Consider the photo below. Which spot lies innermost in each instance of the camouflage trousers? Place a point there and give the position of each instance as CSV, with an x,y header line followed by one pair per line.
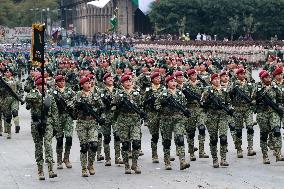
x,y
6,111
153,126
217,125
269,121
169,125
129,129
106,131
40,141
87,131
197,120
245,116
64,129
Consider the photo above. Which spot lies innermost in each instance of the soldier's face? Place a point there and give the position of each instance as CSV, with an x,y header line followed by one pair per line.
x,y
193,77
127,84
109,81
225,78
8,73
172,84
241,76
279,77
157,80
39,87
179,79
61,83
266,80
87,86
216,82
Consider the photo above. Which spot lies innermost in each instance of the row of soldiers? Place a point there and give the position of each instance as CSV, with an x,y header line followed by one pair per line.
x,y
118,93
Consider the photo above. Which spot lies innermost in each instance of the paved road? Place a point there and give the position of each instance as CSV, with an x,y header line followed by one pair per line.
x,y
18,168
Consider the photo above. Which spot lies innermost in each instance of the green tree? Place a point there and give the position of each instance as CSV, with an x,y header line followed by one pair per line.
x,y
234,24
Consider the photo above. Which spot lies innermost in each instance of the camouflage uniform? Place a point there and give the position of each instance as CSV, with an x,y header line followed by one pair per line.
x,y
153,120
8,104
33,102
172,124
268,120
87,129
196,120
17,87
217,125
129,127
245,115
107,95
65,126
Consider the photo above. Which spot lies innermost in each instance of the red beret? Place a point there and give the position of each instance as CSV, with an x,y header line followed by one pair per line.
x,y
264,74
91,76
261,72
278,70
125,78
39,80
223,72
154,74
190,72
59,78
178,73
107,75
169,78
84,80
214,76
240,71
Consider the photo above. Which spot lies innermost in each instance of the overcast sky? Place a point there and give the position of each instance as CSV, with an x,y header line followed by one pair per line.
x,y
144,5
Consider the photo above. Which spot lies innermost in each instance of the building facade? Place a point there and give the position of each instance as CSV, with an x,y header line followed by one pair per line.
x,y
87,19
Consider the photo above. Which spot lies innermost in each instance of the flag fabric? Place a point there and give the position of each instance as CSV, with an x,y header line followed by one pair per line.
x,y
136,2
99,3
113,23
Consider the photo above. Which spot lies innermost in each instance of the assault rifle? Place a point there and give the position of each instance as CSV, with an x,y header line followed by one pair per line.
x,y
62,105
268,101
10,90
239,92
133,107
171,102
88,110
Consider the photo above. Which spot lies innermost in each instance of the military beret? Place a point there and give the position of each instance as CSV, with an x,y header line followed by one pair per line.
x,y
91,76
108,74
178,73
190,72
223,72
214,76
261,72
278,70
169,78
240,71
264,74
154,74
39,80
83,80
59,78
125,78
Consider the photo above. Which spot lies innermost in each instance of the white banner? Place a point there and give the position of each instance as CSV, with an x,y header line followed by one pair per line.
x,y
99,3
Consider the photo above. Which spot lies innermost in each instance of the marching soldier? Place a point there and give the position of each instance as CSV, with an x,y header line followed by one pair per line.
x,y
268,97
172,124
153,120
89,110
128,102
42,125
108,92
63,95
216,119
197,119
241,93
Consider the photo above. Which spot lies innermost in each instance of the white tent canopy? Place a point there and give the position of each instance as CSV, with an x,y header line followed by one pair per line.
x,y
99,3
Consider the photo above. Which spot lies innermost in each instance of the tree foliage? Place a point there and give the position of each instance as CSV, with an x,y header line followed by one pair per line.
x,y
24,13
259,18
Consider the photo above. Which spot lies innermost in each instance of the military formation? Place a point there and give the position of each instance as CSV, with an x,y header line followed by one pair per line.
x,y
177,94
